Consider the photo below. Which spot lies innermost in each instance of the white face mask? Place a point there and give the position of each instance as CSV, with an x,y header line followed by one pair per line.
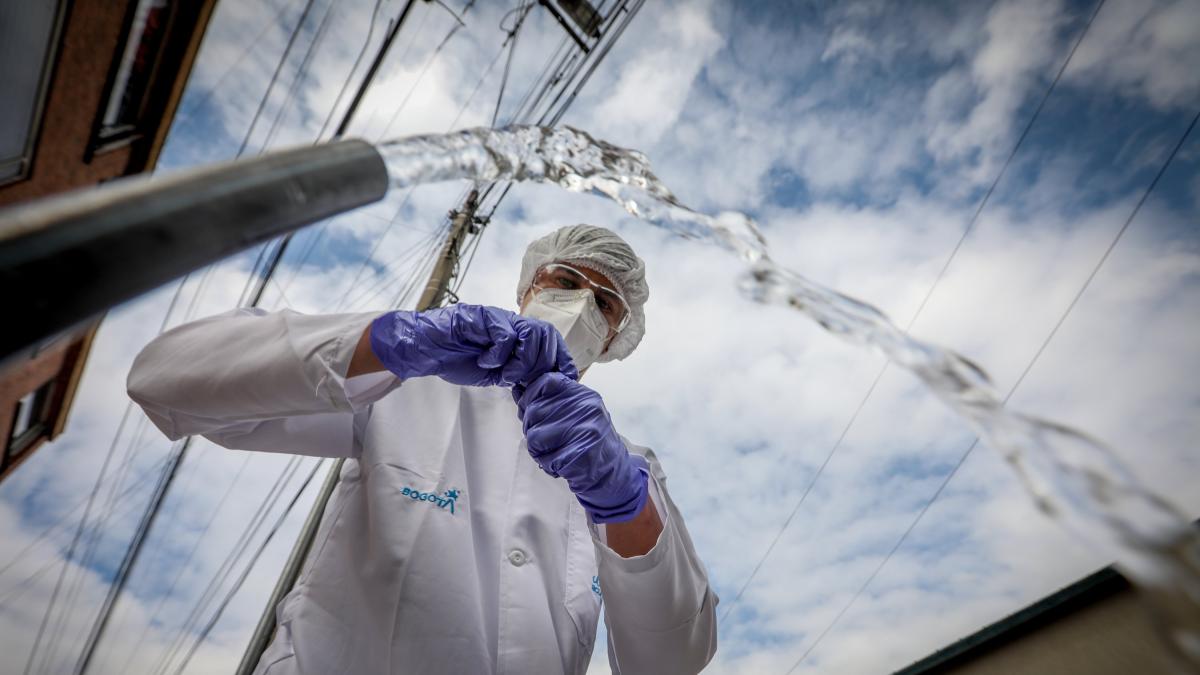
x,y
575,314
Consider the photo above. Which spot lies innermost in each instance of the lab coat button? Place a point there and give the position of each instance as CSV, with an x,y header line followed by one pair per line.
x,y
517,557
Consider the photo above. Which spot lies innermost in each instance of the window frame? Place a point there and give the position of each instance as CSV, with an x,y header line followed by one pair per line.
x,y
105,138
46,76
18,444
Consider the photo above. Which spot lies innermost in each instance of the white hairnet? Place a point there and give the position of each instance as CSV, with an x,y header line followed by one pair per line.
x,y
599,249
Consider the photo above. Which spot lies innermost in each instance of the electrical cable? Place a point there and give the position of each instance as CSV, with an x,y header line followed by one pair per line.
x,y
235,554
162,600
171,517
91,546
245,142
620,30
1029,367
424,69
971,223
262,250
84,519
377,243
237,585
563,65
460,276
253,291
399,62
16,589
308,5
421,271
116,586
353,68
379,240
568,62
324,227
512,38
600,55
208,93
296,267
337,101
75,542
524,8
286,239
478,84
450,11
386,281
72,593
540,83
300,75
249,566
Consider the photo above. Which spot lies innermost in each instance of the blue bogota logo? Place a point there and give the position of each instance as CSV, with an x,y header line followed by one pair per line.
x,y
445,501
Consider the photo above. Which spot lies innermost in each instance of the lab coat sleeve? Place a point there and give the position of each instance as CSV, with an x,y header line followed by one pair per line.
x,y
253,380
659,608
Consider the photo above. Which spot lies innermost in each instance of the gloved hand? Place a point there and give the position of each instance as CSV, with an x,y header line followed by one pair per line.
x,y
471,345
571,436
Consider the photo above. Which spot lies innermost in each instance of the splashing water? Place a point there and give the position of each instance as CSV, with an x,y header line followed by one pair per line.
x,y
1072,477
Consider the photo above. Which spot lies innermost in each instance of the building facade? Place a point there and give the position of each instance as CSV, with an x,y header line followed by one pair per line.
x,y
89,88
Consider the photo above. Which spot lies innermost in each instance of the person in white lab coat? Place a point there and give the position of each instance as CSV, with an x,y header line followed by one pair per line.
x,y
487,511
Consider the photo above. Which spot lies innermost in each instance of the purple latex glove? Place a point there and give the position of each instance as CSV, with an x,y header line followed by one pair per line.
x,y
571,436
471,345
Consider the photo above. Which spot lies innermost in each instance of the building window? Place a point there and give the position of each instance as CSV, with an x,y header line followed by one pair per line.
x,y
28,44
124,113
31,421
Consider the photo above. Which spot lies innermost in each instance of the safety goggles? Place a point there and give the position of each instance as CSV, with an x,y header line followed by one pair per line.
x,y
564,277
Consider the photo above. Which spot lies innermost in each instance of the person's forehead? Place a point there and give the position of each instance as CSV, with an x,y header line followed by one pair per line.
x,y
592,274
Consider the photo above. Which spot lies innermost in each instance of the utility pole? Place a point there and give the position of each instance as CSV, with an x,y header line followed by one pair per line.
x,y
462,223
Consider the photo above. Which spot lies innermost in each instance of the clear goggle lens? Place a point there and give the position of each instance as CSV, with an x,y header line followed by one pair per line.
x,y
564,277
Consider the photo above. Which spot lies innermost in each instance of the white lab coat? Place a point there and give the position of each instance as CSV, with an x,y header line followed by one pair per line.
x,y
445,549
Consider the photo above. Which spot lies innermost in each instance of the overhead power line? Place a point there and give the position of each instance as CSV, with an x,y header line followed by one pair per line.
x,y
123,500
837,444
253,44
262,103
139,537
1029,367
580,73
181,568
253,525
237,585
301,74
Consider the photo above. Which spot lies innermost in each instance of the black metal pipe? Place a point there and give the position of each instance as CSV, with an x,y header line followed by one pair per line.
x,y
66,258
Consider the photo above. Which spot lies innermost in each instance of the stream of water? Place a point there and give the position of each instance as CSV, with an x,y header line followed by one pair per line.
x,y
1073,478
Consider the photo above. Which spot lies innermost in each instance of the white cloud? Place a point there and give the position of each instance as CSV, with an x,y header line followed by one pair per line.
x,y
1020,46
855,136
651,90
1143,50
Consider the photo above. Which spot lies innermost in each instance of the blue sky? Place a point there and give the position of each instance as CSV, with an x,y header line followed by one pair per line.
x,y
862,136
